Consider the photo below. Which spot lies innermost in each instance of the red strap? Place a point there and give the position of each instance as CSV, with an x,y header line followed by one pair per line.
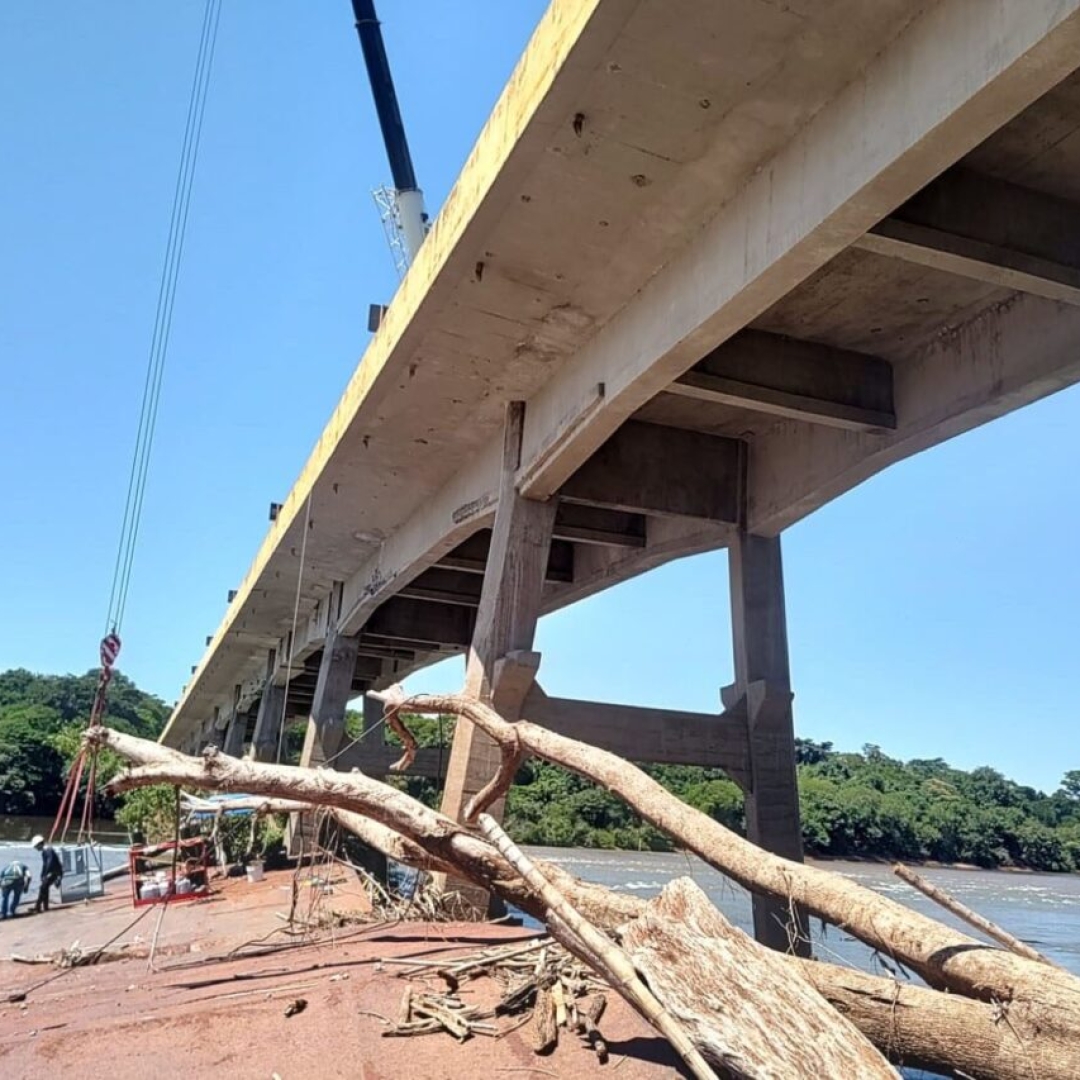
x,y
109,651
67,802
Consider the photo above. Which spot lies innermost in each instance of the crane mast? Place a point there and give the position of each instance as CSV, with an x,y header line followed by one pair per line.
x,y
405,202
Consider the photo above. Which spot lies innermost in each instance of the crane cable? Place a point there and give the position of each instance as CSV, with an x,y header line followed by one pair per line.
x,y
144,440
159,342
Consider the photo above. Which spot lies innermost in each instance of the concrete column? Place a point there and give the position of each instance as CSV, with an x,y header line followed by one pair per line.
x,y
268,721
372,735
209,735
763,676
234,734
505,624
326,728
326,724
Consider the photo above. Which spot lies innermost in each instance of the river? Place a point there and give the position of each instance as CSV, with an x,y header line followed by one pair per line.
x,y
1041,909
17,832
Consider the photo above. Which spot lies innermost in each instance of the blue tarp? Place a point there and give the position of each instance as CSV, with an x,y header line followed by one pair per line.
x,y
221,799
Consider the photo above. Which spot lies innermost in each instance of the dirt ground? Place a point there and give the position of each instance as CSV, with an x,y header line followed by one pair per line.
x,y
202,1013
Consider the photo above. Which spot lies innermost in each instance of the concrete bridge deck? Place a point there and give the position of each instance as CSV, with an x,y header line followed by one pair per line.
x,y
733,258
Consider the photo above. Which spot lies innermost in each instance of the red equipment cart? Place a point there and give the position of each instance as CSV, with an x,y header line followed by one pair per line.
x,y
169,872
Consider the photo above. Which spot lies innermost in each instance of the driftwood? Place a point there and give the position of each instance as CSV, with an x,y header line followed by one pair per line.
x,y
577,934
1025,1030
545,1032
972,918
590,1020
942,956
743,1005
945,1033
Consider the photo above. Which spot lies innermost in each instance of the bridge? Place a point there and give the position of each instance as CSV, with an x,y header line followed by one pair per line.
x,y
709,266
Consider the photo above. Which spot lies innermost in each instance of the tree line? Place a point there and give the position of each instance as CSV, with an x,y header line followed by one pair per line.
x,y
854,805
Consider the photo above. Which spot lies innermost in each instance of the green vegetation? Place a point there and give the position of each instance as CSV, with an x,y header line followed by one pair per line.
x,y
853,805
40,718
41,722
864,805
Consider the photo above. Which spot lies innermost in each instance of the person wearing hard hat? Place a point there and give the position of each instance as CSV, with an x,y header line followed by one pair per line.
x,y
52,870
14,881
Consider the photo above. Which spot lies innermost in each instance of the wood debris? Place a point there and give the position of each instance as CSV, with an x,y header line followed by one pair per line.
x,y
538,983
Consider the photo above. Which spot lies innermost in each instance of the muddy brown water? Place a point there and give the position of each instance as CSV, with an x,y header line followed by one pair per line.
x,y
1040,909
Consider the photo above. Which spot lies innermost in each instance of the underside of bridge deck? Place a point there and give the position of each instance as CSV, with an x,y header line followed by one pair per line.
x,y
709,266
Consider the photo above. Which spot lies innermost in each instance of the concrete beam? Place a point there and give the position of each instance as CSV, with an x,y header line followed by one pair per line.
x,y
655,736
374,650
445,586
596,567
801,380
1003,358
647,468
416,620
950,79
430,761
988,230
582,524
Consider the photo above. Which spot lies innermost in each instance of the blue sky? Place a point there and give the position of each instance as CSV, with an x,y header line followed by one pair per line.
x,y
933,610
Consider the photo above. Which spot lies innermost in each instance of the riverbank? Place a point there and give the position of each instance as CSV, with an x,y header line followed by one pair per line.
x,y
216,1002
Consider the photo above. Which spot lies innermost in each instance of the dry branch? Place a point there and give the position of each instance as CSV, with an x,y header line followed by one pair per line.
x,y
972,918
583,939
941,955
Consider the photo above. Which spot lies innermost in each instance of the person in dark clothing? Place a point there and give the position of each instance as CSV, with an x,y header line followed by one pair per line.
x,y
52,870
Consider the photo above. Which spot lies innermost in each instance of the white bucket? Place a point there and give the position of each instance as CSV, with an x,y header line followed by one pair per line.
x,y
255,870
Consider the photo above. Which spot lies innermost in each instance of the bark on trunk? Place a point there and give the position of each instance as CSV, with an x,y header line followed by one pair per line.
x,y
750,1013
946,1033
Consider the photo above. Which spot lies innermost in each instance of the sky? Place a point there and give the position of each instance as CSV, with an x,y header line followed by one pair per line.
x,y
932,610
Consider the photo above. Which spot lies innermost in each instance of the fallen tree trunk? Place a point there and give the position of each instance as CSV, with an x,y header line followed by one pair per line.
x,y
589,944
925,1031
944,957
946,1033
740,1002
598,950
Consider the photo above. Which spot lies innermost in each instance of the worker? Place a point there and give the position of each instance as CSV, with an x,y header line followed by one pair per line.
x,y
52,870
14,881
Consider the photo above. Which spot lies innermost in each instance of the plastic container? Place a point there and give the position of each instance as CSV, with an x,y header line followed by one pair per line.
x,y
255,870
150,890
183,886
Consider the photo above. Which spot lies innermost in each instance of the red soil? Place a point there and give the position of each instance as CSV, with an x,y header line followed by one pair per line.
x,y
201,1014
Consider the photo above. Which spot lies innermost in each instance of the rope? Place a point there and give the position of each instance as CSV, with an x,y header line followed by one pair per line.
x,y
292,632
108,653
159,342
